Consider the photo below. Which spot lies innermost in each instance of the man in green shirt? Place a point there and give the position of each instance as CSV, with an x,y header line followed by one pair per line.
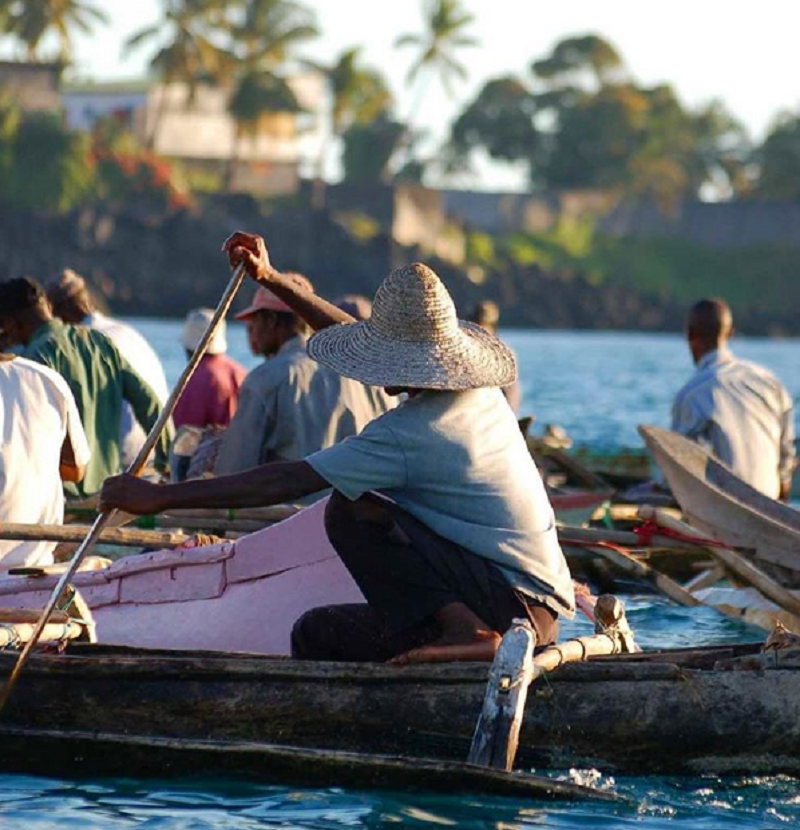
x,y
98,375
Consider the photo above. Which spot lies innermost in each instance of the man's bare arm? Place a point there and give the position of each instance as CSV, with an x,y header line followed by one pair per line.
x,y
68,468
250,249
284,481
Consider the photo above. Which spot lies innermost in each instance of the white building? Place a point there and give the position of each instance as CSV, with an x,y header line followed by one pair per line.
x,y
198,131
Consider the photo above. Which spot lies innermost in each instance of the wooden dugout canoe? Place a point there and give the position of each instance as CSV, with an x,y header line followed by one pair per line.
x,y
715,500
710,710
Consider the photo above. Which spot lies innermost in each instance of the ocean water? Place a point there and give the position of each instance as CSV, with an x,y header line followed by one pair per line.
x,y
599,386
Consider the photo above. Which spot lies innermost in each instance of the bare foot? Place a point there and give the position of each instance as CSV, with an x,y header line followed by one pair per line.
x,y
478,646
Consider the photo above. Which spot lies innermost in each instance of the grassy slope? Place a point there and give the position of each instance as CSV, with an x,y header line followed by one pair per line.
x,y
760,280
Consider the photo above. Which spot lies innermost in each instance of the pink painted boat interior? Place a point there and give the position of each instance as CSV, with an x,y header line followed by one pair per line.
x,y
242,595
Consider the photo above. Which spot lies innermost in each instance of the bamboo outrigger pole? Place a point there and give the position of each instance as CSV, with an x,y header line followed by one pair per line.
x,y
134,469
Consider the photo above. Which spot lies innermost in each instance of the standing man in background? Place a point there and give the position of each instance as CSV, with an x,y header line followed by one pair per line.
x,y
71,302
737,409
97,374
212,393
290,406
487,315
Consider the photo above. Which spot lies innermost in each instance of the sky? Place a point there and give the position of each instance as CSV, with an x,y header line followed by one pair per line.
x,y
745,54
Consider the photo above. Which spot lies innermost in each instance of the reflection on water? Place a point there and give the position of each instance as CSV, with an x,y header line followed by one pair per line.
x,y
220,804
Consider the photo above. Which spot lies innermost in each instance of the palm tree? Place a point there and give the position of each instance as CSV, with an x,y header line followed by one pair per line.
x,y
31,20
445,22
264,39
357,95
187,51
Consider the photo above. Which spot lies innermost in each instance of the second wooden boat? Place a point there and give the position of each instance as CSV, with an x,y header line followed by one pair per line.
x,y
715,500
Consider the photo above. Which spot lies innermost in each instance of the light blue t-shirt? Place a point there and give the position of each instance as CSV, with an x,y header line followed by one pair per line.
x,y
457,462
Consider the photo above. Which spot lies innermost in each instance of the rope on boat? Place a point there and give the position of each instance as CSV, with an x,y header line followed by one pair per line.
x,y
650,528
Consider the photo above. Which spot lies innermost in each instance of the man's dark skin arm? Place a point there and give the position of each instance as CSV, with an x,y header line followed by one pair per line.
x,y
250,249
262,486
68,469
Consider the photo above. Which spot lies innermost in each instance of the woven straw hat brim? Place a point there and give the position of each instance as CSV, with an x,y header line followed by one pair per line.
x,y
472,359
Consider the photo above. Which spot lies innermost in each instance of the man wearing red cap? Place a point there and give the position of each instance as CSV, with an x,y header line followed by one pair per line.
x,y
290,406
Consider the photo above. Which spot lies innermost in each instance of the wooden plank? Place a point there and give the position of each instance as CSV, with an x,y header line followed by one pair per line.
x,y
735,562
109,753
122,537
497,731
630,564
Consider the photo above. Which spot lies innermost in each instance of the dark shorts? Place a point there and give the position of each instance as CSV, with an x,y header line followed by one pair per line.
x,y
407,573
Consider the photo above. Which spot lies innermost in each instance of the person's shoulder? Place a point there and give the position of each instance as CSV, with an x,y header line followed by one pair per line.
x,y
34,372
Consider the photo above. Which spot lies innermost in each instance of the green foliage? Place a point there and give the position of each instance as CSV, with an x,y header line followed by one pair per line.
x,y
29,21
359,225
368,149
480,249
779,157
358,94
760,279
576,59
52,168
583,124
445,22
499,120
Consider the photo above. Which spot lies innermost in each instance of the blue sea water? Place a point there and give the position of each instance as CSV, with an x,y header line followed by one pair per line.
x,y
599,386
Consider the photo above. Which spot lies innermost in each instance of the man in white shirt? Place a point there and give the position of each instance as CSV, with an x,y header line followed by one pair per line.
x,y
737,409
71,301
439,513
42,443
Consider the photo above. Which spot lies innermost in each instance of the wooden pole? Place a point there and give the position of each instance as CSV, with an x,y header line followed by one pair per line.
x,y
122,537
497,731
732,560
496,737
135,468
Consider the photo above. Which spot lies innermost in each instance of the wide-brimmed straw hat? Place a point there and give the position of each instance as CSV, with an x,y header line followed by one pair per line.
x,y
415,340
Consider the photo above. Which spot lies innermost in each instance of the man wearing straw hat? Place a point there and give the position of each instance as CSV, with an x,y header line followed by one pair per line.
x,y
439,513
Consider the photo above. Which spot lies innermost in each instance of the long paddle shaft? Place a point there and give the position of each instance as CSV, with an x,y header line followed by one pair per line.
x,y
136,466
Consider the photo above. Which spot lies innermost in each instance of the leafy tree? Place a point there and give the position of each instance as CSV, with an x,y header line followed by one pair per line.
x,y
779,161
357,95
369,148
52,167
186,50
264,38
444,36
596,138
577,60
9,124
31,20
499,121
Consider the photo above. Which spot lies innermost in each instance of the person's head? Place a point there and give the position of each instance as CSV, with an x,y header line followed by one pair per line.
x,y
270,322
195,326
69,297
708,327
23,308
486,314
356,305
414,342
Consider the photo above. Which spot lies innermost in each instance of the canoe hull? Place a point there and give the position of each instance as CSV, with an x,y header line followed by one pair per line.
x,y
716,501
630,715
